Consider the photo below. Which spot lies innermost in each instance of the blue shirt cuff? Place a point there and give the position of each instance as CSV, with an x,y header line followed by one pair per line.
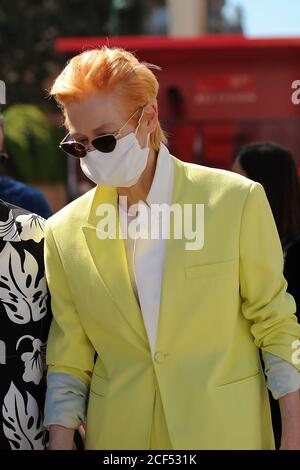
x,y
66,400
282,377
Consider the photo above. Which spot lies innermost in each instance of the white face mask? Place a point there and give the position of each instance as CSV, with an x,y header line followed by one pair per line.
x,y
120,168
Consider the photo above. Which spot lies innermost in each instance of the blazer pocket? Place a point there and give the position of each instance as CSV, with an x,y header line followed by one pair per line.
x,y
99,385
240,381
215,269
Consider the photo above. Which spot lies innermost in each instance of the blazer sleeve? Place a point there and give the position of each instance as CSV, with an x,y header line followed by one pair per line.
x,y
69,350
292,273
265,302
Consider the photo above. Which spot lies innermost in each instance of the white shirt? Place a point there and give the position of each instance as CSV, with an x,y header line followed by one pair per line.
x,y
145,257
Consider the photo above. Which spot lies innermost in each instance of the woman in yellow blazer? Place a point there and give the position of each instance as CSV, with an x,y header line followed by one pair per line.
x,y
199,383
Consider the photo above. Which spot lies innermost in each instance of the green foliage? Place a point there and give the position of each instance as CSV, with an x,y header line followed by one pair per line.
x,y
29,28
32,145
28,64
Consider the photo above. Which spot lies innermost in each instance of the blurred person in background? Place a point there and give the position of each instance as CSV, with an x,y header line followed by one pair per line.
x,y
24,324
25,317
154,343
273,166
15,192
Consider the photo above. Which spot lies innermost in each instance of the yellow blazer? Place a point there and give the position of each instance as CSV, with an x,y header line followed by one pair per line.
x,y
218,306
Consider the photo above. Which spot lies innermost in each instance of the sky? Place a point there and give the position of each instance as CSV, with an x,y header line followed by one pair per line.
x,y
270,18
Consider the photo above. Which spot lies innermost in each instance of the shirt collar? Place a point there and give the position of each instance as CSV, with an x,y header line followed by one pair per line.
x,y
161,188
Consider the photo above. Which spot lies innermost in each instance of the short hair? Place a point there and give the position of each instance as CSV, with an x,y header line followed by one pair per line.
x,y
112,70
273,166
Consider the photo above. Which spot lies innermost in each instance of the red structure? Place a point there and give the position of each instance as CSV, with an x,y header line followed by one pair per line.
x,y
217,93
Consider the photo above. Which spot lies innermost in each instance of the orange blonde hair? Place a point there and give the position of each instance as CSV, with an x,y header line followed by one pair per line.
x,y
111,70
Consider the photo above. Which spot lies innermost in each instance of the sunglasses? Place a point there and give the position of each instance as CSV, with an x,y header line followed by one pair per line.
x,y
105,143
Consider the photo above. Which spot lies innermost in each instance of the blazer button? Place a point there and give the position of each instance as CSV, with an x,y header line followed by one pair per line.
x,y
159,357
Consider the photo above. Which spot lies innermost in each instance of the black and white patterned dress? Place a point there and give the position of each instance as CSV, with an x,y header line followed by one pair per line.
x,y
24,323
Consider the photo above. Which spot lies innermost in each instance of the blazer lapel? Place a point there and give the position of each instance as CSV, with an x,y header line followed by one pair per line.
x,y
173,272
108,256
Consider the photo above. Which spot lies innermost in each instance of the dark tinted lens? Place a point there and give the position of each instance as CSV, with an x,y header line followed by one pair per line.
x,y
105,143
75,149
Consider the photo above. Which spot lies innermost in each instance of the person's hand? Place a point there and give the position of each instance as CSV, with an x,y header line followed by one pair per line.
x,y
290,420
290,442
60,438
81,431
